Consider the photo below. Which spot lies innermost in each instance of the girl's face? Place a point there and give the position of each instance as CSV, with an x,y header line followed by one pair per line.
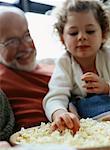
x,y
82,35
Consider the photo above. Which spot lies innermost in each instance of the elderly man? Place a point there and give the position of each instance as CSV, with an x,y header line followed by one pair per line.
x,y
24,82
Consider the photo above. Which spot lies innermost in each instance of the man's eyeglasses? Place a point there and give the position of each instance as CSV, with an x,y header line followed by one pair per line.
x,y
15,42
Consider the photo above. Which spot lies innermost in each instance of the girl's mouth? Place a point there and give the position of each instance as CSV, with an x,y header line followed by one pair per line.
x,y
83,46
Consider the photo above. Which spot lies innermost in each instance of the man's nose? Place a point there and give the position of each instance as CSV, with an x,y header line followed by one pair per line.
x,y
22,47
82,36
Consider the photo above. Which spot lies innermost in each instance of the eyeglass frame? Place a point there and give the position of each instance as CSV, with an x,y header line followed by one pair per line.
x,y
17,40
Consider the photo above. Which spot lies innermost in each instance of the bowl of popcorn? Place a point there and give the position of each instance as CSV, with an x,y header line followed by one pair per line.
x,y
92,135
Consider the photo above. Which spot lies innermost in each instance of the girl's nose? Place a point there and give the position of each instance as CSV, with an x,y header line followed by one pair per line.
x,y
82,36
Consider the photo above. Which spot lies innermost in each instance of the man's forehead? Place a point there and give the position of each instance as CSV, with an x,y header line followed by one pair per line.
x,y
12,9
14,20
10,16
5,14
12,24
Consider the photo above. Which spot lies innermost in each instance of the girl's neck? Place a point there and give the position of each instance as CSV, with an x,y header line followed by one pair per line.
x,y
88,65
89,69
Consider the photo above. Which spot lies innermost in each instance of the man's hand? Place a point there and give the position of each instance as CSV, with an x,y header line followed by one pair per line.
x,y
4,144
94,84
63,119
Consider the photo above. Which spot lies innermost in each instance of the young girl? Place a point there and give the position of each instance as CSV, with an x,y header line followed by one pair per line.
x,y
6,118
82,74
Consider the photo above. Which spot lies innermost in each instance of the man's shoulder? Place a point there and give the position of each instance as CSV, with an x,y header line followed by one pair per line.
x,y
2,66
3,69
44,69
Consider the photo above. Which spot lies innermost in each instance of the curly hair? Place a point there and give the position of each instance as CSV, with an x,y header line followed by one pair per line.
x,y
96,7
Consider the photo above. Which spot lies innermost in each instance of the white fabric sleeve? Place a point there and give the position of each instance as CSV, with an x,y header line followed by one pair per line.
x,y
60,87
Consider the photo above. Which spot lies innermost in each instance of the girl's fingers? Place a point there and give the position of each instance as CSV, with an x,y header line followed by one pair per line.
x,y
68,121
58,124
53,126
90,85
72,122
76,123
87,77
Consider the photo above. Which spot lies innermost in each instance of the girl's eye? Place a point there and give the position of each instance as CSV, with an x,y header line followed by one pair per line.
x,y
90,31
73,33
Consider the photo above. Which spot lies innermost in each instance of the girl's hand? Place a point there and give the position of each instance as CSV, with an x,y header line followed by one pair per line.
x,y
94,84
63,119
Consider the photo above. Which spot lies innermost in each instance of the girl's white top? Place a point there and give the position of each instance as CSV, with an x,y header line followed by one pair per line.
x,y
66,79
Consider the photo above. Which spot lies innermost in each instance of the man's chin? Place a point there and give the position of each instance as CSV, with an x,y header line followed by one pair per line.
x,y
27,67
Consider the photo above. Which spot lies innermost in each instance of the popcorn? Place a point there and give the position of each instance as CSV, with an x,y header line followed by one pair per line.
x,y
92,133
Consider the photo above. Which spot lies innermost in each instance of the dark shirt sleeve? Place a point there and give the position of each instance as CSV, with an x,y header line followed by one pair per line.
x,y
6,118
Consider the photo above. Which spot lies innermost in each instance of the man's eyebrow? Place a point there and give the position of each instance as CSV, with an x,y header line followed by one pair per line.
x,y
13,37
10,38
